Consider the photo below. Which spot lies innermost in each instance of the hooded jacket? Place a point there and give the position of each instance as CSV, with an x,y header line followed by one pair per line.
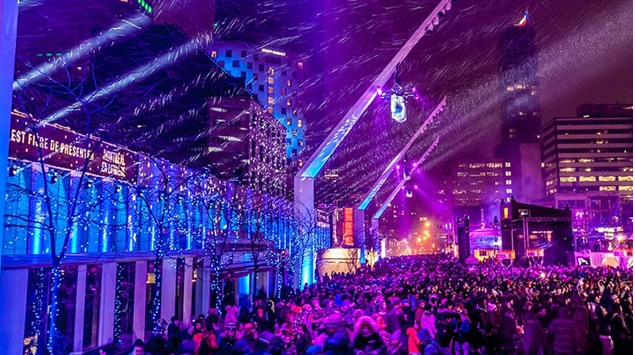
x,y
428,321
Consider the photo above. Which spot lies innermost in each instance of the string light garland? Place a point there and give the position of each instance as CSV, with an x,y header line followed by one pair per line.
x,y
118,305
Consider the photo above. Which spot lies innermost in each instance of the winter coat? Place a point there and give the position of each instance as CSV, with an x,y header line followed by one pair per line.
x,y
534,337
372,345
428,322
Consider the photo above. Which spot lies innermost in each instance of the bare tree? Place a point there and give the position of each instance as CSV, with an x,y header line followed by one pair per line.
x,y
302,240
161,190
58,219
220,209
352,260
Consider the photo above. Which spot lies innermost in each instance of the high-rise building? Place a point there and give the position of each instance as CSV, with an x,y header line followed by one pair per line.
x,y
476,187
249,139
274,77
518,76
520,108
590,154
478,182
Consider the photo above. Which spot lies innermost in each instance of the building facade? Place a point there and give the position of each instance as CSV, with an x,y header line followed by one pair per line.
x,y
591,155
275,77
122,217
478,182
520,108
518,76
248,138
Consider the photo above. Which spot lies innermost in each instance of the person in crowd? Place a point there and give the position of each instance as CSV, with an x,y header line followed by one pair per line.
x,y
420,305
562,330
228,338
366,339
211,322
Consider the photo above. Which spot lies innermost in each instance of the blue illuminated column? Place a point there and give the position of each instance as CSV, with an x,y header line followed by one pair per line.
x,y
107,213
36,240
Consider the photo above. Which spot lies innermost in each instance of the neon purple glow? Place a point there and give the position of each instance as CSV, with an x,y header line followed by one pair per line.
x,y
379,91
398,166
416,187
414,165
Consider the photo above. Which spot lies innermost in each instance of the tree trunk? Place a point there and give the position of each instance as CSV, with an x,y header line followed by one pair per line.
x,y
55,287
156,302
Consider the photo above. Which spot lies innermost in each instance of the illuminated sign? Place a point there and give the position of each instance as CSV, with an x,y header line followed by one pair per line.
x,y
348,227
271,51
63,148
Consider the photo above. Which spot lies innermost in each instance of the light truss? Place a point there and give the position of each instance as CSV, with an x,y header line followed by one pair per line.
x,y
303,186
394,192
315,164
384,176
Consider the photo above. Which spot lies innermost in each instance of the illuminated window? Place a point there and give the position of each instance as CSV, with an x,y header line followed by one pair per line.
x,y
270,100
568,179
299,123
519,86
270,110
509,191
587,178
508,182
567,170
214,54
270,90
270,80
627,169
300,143
508,165
607,188
625,178
585,160
294,132
626,188
288,82
510,88
288,102
606,178
300,65
508,173
270,71
288,122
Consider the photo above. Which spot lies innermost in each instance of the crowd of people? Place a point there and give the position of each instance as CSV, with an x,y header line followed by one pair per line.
x,y
427,305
